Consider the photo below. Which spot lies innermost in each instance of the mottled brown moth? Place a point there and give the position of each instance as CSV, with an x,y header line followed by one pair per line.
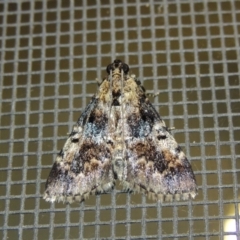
x,y
120,136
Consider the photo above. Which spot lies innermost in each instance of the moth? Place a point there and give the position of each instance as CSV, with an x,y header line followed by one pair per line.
x,y
120,136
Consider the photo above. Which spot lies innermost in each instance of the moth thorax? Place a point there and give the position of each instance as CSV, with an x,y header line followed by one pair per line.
x,y
116,73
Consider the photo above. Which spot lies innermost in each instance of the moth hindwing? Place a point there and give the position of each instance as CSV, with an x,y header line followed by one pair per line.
x,y
120,136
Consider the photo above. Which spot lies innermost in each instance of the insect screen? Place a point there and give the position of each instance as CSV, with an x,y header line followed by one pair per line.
x,y
51,54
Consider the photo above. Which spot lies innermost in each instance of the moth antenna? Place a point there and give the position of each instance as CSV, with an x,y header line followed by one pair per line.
x,y
110,96
122,113
98,81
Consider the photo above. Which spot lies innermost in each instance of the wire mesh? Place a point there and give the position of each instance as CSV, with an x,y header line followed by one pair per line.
x,y
51,54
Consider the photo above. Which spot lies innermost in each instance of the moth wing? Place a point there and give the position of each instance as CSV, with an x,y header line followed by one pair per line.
x,y
83,166
156,165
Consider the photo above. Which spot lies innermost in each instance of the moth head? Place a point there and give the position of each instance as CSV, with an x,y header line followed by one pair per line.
x,y
117,64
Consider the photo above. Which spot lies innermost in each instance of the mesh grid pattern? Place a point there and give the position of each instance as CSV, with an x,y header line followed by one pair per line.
x,y
51,54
